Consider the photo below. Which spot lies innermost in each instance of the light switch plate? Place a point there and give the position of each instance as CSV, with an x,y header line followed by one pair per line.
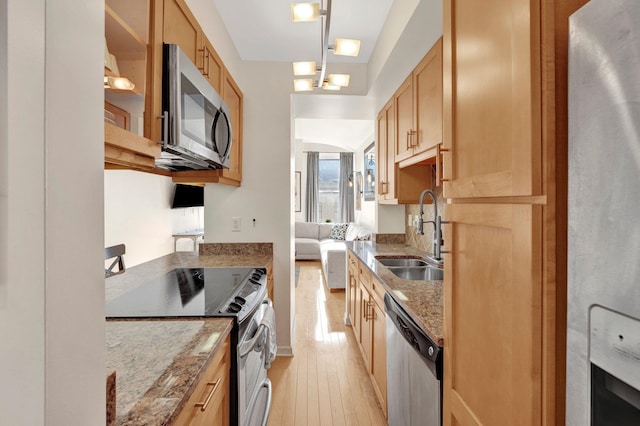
x,y
235,224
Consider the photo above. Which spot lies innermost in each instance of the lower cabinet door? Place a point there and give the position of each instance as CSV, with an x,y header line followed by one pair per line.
x,y
379,355
493,315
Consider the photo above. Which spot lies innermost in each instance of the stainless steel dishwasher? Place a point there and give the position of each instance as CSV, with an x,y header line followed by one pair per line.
x,y
414,371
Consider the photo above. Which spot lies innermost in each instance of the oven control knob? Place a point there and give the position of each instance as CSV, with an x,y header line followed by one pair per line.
x,y
430,351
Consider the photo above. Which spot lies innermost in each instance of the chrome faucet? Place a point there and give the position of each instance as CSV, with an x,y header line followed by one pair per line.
x,y
437,224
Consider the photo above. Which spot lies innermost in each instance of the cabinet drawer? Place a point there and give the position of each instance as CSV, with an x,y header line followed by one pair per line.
x,y
377,291
364,276
209,402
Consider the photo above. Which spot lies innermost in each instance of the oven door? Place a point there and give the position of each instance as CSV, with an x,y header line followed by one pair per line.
x,y
254,388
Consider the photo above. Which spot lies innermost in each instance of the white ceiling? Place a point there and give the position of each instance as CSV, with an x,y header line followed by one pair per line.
x,y
262,30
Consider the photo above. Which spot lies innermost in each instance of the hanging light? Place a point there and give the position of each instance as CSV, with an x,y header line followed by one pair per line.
x,y
304,68
346,47
303,84
306,12
328,86
341,80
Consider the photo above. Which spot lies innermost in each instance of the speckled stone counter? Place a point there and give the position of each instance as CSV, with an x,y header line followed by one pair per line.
x,y
423,300
158,363
213,257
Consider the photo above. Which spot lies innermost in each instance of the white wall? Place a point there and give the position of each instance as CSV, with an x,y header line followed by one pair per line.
x,y
52,321
137,212
266,194
366,216
4,152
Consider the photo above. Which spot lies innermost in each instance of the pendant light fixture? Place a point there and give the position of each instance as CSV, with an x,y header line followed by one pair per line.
x,y
309,12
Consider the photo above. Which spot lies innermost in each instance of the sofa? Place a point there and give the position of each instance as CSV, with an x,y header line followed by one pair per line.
x,y
325,241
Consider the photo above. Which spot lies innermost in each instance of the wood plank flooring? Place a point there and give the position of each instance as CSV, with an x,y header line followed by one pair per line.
x,y
325,382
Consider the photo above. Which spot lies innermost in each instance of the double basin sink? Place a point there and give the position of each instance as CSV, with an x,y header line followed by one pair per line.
x,y
412,269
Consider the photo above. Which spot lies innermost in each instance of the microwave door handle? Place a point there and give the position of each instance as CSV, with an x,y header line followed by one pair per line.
x,y
165,128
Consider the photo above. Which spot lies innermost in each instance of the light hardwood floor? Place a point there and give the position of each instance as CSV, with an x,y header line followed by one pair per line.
x,y
325,382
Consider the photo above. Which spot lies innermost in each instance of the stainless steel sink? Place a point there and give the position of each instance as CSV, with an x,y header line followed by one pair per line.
x,y
402,262
428,273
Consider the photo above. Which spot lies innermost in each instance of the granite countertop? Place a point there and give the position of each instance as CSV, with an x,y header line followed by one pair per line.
x,y
223,255
423,300
158,363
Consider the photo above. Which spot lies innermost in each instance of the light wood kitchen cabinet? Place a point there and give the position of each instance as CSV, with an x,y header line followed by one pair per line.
x,y
232,96
396,185
369,327
385,153
418,103
378,344
126,39
209,402
404,131
270,282
181,27
493,314
505,161
365,325
492,109
427,110
213,68
125,149
352,268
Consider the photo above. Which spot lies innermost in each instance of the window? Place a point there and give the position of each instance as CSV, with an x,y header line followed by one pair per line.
x,y
329,187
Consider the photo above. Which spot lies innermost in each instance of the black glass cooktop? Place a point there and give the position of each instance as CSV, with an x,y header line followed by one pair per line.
x,y
188,292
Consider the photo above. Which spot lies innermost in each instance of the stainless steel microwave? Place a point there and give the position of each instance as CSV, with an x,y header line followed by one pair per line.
x,y
196,122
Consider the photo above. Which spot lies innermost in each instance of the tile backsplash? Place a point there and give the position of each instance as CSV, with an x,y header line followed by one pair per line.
x,y
422,242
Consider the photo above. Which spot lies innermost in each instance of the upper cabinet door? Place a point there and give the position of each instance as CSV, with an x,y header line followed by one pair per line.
x,y
182,28
405,132
492,98
232,96
427,82
213,67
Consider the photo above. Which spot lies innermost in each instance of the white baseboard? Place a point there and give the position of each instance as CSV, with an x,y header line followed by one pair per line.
x,y
285,351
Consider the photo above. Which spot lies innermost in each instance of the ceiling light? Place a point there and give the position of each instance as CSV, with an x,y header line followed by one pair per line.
x,y
303,84
304,68
119,83
302,12
328,86
341,80
346,47
305,12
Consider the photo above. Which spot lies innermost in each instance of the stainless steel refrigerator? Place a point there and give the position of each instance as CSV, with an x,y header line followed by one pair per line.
x,y
603,323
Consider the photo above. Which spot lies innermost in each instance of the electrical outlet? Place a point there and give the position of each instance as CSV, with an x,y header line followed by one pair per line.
x,y
409,220
235,224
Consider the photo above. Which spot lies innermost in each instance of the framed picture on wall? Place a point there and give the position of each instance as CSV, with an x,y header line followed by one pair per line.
x,y
370,173
298,193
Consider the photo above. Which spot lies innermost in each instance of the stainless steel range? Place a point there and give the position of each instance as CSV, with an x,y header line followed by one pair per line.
x,y
239,293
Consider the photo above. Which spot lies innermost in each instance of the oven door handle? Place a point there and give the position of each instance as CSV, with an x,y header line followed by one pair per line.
x,y
246,348
267,406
